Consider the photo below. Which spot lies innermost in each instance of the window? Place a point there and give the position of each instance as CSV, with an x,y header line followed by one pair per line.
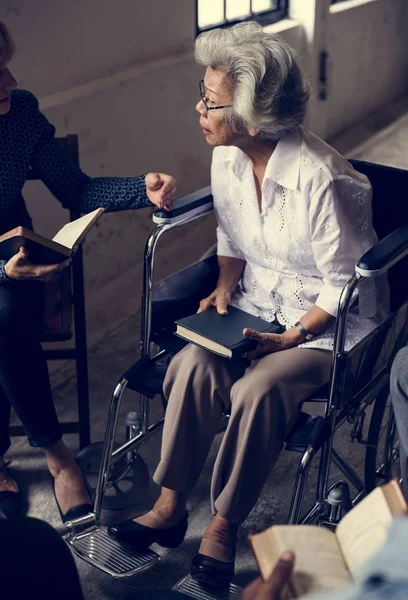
x,y
223,13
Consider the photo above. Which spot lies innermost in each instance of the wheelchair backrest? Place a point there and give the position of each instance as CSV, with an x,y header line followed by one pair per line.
x,y
372,358
390,211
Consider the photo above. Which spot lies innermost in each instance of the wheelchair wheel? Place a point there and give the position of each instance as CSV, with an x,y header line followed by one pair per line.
x,y
382,450
127,483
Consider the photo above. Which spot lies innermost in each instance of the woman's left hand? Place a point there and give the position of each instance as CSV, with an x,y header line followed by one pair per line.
x,y
160,189
268,342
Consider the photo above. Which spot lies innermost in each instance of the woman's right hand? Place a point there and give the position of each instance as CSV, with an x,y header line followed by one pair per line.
x,y
220,299
21,269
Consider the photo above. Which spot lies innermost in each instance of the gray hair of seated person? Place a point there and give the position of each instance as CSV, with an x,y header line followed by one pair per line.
x,y
270,92
7,47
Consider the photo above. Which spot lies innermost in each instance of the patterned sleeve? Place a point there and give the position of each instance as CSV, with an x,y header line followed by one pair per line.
x,y
3,275
73,188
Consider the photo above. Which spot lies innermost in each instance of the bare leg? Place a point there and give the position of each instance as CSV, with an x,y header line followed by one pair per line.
x,y
70,489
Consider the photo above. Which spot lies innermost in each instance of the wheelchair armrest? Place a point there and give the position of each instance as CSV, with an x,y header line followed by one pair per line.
x,y
384,254
185,209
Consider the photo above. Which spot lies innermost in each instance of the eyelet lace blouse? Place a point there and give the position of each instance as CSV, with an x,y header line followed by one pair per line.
x,y
302,247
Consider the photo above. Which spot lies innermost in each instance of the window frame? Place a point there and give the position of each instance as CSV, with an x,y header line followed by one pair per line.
x,y
264,17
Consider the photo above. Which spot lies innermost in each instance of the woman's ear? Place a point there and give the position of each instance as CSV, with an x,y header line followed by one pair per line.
x,y
254,132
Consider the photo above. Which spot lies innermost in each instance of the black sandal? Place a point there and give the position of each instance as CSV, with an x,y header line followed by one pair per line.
x,y
11,503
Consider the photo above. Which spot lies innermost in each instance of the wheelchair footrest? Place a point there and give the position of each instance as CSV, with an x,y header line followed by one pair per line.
x,y
308,431
190,586
105,553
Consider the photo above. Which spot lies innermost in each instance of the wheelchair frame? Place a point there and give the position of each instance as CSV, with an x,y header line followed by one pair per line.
x,y
328,512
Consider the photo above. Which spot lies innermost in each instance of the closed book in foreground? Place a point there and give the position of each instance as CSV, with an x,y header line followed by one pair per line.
x,y
326,560
223,334
43,251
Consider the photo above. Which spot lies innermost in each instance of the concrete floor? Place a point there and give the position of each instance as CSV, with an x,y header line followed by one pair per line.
x,y
382,138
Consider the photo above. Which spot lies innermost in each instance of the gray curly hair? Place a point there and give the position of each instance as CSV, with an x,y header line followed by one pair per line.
x,y
6,44
270,93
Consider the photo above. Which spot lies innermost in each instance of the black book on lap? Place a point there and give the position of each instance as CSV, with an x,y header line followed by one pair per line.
x,y
222,334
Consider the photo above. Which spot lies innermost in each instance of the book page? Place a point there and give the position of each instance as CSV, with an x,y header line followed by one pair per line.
x,y
72,233
363,531
203,342
319,563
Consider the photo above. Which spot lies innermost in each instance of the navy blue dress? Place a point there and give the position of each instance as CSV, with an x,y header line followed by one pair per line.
x,y
27,139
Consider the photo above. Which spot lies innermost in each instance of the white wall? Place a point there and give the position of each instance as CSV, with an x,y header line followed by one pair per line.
x,y
368,50
122,75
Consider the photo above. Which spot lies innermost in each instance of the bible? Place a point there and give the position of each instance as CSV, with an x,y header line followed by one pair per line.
x,y
43,251
326,560
222,334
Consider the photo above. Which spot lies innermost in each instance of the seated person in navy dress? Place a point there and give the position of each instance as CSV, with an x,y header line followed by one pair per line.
x,y
27,140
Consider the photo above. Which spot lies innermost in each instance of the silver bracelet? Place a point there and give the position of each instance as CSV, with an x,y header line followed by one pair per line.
x,y
306,334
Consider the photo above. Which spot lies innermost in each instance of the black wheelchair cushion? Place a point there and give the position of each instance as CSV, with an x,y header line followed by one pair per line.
x,y
146,377
308,431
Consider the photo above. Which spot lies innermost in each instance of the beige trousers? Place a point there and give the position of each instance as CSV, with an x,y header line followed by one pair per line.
x,y
263,398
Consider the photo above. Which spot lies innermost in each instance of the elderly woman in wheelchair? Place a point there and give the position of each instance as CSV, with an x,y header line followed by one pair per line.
x,y
293,219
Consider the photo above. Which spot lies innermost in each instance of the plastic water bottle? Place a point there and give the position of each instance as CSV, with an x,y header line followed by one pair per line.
x,y
133,428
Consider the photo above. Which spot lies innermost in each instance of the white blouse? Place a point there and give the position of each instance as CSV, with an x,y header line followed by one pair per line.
x,y
302,247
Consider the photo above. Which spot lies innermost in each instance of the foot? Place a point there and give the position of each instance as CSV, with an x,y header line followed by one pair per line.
x,y
215,560
7,482
140,536
69,485
169,510
70,489
219,540
166,524
11,500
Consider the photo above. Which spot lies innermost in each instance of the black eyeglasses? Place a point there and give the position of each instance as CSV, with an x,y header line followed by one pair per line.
x,y
204,99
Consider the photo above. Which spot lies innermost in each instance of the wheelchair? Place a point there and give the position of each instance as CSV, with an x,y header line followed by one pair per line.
x,y
358,387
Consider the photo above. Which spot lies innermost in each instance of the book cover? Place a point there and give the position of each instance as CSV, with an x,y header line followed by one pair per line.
x,y
222,334
42,250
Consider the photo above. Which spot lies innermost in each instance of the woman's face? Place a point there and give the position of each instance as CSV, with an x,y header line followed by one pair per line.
x,y
7,85
218,92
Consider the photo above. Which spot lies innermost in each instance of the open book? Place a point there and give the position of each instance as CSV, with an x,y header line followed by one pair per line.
x,y
44,251
327,560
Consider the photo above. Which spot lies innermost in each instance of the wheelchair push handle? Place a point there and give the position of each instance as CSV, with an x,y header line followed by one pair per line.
x,y
186,208
382,256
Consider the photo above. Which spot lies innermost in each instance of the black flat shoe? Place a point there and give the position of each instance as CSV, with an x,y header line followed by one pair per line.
x,y
212,572
11,503
73,513
141,537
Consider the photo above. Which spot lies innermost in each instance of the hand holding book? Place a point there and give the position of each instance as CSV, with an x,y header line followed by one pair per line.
x,y
266,343
327,560
272,588
220,299
20,268
41,251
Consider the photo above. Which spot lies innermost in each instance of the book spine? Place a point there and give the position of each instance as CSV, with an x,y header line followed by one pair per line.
x,y
242,347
